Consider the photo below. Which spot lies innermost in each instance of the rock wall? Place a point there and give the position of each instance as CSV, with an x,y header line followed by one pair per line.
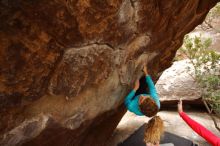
x,y
66,65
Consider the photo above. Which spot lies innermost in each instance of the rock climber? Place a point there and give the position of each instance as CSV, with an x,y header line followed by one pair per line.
x,y
143,104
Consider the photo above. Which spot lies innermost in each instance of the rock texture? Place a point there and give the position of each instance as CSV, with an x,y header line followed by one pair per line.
x,y
178,82
67,65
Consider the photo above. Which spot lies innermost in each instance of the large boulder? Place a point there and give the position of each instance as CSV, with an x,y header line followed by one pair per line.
x,y
178,82
66,65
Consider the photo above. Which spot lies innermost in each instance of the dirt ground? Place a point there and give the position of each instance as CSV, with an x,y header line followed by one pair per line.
x,y
173,124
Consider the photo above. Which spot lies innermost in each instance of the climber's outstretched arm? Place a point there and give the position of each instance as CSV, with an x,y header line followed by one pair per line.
x,y
198,128
129,97
152,89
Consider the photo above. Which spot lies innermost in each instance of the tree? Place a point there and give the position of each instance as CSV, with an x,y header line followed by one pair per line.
x,y
206,65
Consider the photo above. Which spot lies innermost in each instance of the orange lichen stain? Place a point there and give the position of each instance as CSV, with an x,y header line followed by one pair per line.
x,y
94,19
44,37
83,5
60,14
114,3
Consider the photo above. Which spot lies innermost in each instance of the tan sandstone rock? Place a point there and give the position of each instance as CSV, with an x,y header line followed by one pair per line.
x,y
66,65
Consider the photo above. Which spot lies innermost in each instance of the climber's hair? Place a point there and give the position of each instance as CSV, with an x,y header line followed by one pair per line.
x,y
154,130
149,107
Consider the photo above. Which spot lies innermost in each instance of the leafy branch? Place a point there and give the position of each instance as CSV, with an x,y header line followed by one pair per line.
x,y
206,68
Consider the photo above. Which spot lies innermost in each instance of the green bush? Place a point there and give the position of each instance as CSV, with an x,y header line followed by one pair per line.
x,y
206,68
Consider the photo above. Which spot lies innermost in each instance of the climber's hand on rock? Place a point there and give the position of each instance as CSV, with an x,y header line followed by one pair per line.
x,y
136,85
145,69
180,106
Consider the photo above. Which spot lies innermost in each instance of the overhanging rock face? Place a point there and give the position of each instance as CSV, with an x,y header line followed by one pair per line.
x,y
66,65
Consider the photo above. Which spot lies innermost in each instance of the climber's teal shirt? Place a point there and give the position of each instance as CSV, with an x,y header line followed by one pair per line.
x,y
132,103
